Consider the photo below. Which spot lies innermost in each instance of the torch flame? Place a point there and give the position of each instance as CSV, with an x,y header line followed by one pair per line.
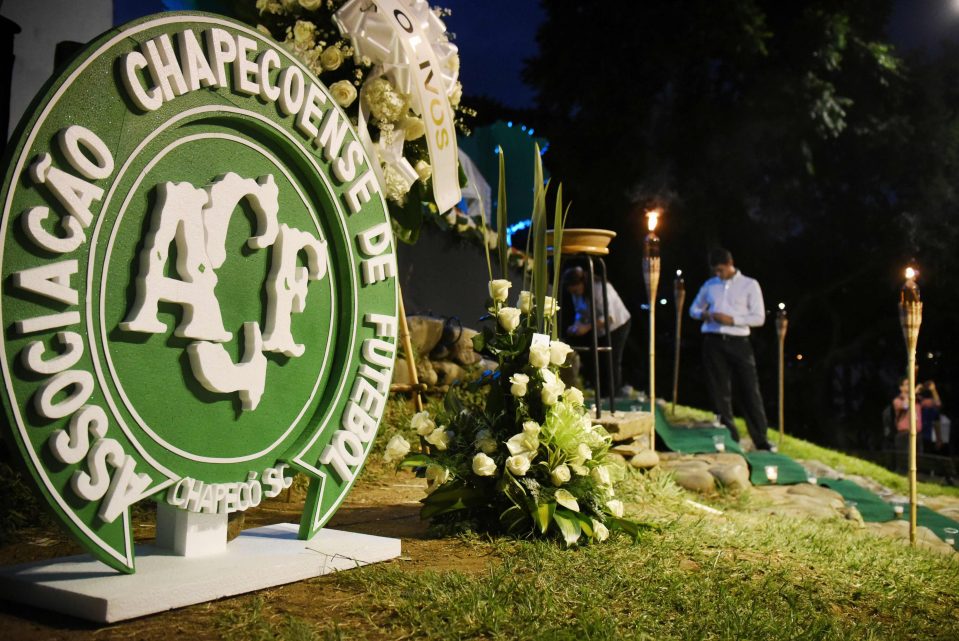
x,y
911,273
652,219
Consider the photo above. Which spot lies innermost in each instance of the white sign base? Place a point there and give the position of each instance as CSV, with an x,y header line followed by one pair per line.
x,y
259,558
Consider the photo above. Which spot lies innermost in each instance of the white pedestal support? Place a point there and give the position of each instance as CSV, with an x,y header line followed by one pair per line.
x,y
259,558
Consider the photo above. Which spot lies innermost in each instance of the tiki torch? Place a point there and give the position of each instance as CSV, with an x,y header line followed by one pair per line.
x,y
910,317
679,298
651,276
782,323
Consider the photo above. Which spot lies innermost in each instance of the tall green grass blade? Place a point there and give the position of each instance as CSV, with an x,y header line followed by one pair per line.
x,y
501,217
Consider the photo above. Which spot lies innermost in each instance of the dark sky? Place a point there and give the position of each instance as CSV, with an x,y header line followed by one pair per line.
x,y
923,24
494,37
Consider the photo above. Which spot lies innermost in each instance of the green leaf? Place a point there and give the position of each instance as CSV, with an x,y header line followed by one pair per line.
x,y
630,528
557,244
568,525
513,518
479,342
416,460
501,216
586,524
542,516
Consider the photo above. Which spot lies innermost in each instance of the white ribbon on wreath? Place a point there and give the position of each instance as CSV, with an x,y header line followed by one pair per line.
x,y
407,44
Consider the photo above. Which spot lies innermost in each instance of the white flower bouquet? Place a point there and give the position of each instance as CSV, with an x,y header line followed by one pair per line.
x,y
528,460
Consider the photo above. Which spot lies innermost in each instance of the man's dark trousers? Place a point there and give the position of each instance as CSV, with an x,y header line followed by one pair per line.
x,y
730,364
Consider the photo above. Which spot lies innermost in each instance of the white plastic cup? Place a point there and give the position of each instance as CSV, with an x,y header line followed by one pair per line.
x,y
772,473
719,442
898,508
812,480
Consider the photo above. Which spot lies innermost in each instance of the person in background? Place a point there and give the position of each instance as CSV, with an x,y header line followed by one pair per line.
x,y
584,297
929,406
729,304
901,406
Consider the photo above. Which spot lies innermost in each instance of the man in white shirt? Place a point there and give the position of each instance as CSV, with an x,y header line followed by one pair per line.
x,y
729,305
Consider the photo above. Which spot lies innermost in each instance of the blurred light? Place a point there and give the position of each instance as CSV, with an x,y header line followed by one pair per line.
x,y
679,272
523,127
644,306
662,301
930,355
652,219
911,273
509,124
531,131
782,305
798,357
512,229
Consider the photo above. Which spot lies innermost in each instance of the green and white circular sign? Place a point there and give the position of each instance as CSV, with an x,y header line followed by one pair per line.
x,y
199,281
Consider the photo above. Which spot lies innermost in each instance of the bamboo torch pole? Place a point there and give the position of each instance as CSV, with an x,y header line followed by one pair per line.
x,y
782,324
651,276
679,298
910,317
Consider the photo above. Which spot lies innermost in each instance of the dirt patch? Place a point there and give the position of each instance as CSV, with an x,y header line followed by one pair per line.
x,y
380,503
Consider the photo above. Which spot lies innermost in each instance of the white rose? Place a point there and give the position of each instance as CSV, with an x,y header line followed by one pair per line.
x,y
423,170
517,465
456,95
525,302
531,429
539,355
439,438
558,351
508,318
567,500
584,451
483,465
600,531
397,448
413,127
615,508
560,475
331,58
499,289
311,5
523,444
436,475
422,423
574,396
343,92
492,239
485,442
550,307
519,383
303,33
601,475
552,388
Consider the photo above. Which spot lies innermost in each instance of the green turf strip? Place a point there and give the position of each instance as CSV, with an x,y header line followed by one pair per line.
x,y
872,508
790,472
938,524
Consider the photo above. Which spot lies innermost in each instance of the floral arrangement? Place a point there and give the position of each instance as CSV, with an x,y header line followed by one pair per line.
x,y
529,461
328,36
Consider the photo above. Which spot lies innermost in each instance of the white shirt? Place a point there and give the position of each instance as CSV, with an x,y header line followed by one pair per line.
x,y
739,297
618,314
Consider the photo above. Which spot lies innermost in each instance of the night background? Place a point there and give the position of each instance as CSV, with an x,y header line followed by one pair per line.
x,y
818,141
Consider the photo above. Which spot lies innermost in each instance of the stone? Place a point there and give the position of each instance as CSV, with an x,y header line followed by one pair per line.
x,y
817,492
424,370
645,460
462,350
623,426
425,333
688,462
899,529
401,372
447,372
628,448
731,476
820,470
694,479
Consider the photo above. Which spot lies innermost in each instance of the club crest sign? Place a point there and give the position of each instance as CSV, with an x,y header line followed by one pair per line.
x,y
199,290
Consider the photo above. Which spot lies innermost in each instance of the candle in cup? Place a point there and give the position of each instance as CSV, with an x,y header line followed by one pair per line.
x,y
719,442
772,473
